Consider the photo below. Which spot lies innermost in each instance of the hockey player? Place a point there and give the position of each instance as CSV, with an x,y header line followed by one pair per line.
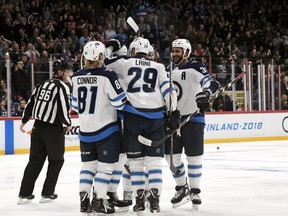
x,y
97,94
148,96
194,86
123,205
127,187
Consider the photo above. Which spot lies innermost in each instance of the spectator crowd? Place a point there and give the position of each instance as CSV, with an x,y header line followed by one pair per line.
x,y
32,31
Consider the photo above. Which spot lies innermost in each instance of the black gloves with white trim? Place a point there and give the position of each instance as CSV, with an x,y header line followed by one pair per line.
x,y
202,100
173,121
116,44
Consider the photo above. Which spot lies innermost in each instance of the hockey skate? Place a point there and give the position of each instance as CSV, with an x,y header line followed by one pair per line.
x,y
121,204
139,206
181,196
127,196
25,199
85,206
154,201
101,206
195,198
48,198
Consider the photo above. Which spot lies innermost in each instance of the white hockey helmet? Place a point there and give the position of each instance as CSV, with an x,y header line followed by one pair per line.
x,y
151,49
122,51
185,45
151,53
92,50
141,45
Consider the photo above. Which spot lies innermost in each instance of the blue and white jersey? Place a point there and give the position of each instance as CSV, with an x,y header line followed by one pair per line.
x,y
189,80
97,94
146,85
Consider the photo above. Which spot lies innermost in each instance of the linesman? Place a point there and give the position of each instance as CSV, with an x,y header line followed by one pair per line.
x,y
49,106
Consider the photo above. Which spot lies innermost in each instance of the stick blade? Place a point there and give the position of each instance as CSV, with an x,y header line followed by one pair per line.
x,y
144,140
175,171
132,24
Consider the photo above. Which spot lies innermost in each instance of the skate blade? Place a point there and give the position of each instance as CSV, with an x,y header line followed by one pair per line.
x,y
155,212
122,209
87,213
46,200
103,214
184,201
195,207
24,201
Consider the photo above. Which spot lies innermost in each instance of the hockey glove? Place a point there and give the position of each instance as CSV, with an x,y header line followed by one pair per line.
x,y
173,122
202,100
114,43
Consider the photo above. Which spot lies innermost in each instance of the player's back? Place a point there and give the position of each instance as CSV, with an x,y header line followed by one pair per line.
x,y
97,94
145,82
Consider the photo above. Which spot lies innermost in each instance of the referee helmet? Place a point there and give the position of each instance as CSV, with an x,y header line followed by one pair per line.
x,y
60,65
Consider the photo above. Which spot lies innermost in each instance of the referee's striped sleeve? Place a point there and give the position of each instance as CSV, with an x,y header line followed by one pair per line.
x,y
27,113
64,93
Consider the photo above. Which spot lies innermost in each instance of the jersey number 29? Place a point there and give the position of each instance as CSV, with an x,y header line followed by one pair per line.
x,y
148,80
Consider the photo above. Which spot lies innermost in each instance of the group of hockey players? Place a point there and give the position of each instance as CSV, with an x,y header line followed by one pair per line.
x,y
121,93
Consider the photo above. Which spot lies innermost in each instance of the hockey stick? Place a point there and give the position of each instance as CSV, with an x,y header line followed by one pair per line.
x,y
173,169
133,25
127,169
155,143
216,94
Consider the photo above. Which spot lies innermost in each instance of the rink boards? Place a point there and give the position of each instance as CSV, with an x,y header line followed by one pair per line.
x,y
220,127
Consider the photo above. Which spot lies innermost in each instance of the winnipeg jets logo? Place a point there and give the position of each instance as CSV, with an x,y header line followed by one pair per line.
x,y
179,90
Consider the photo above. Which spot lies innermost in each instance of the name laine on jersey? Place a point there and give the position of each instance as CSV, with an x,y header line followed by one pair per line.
x,y
142,62
87,80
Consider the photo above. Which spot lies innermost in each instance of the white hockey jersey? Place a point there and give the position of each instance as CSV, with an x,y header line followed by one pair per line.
x,y
97,94
189,80
146,85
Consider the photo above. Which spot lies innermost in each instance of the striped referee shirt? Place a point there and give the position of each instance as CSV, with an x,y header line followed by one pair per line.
x,y
49,103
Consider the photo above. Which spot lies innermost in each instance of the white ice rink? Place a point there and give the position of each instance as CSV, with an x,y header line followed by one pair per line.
x,y
248,179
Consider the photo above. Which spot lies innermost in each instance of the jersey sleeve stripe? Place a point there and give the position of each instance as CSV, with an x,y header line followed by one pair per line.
x,y
74,107
73,98
119,97
120,106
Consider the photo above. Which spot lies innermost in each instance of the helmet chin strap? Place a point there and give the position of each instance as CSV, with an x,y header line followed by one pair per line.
x,y
181,60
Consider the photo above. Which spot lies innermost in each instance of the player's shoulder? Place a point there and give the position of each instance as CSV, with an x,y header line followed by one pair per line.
x,y
110,73
100,72
116,59
195,65
158,65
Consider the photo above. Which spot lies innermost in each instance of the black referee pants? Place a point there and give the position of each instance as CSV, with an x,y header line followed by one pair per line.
x,y
46,140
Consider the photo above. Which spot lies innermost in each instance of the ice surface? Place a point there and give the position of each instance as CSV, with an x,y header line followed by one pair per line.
x,y
238,179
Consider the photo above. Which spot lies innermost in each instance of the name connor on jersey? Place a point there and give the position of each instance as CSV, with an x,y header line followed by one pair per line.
x,y
142,62
86,80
